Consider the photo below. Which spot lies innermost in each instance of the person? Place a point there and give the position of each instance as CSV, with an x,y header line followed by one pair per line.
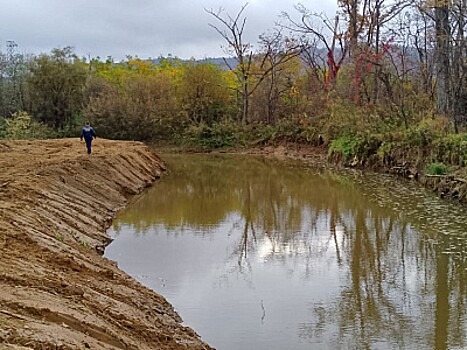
x,y
88,134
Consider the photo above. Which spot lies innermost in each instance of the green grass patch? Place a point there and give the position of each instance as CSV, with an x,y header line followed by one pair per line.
x,y
436,168
347,146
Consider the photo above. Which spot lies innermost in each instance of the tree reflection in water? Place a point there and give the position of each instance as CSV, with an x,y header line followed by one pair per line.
x,y
401,252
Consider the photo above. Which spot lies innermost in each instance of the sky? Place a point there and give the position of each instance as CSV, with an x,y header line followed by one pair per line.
x,y
140,28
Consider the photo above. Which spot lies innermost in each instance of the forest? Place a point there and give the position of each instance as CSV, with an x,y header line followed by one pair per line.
x,y
380,74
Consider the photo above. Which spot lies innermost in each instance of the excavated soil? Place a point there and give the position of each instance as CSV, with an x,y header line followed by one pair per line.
x,y
56,290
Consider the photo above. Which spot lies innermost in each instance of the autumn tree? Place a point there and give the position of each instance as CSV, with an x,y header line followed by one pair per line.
x,y
421,27
380,14
354,12
134,100
205,92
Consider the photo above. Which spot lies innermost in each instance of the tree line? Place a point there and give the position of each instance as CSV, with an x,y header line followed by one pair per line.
x,y
378,67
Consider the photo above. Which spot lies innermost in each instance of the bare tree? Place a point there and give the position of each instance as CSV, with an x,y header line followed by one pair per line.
x,y
325,32
443,48
449,19
421,37
458,81
355,11
380,13
232,32
248,76
273,73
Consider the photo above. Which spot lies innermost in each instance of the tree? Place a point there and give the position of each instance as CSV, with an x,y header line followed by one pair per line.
x,y
449,18
241,50
279,56
458,81
443,51
248,75
135,100
204,92
420,33
57,87
332,36
13,73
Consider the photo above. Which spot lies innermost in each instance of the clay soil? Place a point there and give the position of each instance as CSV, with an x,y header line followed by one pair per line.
x,y
57,291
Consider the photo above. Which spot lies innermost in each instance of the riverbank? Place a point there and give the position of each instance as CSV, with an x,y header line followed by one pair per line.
x,y
406,162
56,290
402,162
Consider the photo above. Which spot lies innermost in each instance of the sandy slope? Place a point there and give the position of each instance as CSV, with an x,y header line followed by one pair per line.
x,y
56,290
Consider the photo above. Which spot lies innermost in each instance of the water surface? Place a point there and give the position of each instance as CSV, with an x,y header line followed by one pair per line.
x,y
262,254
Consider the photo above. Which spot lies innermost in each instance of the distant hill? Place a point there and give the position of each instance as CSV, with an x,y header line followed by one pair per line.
x,y
319,54
219,61
223,62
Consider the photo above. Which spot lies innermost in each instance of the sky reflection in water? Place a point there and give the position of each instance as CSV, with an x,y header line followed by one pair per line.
x,y
260,254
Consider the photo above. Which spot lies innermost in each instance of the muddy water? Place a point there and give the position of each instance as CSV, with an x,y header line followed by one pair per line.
x,y
260,254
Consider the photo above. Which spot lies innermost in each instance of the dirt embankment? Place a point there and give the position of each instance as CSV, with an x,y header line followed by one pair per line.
x,y
56,290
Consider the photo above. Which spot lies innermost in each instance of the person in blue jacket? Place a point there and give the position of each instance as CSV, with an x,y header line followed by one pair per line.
x,y
88,134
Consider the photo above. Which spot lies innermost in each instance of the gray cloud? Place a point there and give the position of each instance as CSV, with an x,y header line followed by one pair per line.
x,y
143,28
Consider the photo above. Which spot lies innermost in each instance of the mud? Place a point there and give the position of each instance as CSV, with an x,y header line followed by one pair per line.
x,y
56,290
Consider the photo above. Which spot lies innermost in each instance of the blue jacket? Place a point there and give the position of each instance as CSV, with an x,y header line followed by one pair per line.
x,y
88,133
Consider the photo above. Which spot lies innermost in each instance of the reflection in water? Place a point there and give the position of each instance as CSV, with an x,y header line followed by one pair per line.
x,y
257,254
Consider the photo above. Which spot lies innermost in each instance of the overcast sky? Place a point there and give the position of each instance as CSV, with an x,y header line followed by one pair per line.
x,y
143,28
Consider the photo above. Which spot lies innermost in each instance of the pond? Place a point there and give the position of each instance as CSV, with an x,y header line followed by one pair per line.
x,y
264,254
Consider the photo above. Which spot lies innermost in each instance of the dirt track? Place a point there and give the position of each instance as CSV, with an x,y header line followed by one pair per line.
x,y
56,290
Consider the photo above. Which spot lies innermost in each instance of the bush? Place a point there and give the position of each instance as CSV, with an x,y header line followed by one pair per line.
x,y
360,146
451,149
21,126
426,131
347,146
436,169
217,135
384,149
142,108
3,128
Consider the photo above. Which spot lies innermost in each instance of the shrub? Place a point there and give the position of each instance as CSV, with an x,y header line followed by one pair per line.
x,y
21,126
384,149
426,131
259,134
3,128
451,149
347,146
217,135
436,169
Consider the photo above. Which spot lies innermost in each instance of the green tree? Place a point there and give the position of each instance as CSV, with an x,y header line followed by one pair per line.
x,y
57,87
204,92
140,107
13,73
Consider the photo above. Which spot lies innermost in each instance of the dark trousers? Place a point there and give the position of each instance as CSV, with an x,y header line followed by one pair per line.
x,y
88,145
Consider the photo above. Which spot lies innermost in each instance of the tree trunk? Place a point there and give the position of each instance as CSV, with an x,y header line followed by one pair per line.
x,y
245,102
442,56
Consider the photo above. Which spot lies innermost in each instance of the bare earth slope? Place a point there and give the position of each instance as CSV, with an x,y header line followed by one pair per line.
x,y
56,290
